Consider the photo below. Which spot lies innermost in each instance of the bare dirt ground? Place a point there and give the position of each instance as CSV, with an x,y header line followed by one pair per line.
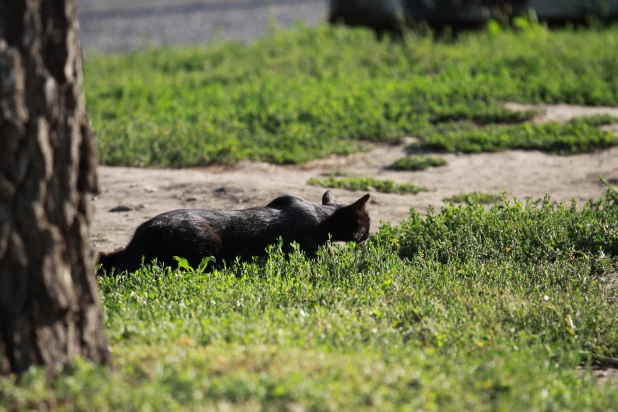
x,y
129,196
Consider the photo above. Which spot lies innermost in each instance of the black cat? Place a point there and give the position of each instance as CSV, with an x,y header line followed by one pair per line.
x,y
229,234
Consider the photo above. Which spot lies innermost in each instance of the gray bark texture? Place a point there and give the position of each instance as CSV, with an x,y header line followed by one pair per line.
x,y
49,303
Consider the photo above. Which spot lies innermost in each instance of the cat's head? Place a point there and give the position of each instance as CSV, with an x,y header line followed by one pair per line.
x,y
349,222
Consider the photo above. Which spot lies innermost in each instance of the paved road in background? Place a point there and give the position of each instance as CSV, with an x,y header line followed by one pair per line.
x,y
123,25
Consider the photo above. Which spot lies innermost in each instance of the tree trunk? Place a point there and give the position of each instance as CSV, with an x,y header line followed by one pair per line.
x,y
49,304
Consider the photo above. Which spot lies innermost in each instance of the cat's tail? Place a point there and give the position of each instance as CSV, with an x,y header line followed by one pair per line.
x,y
109,261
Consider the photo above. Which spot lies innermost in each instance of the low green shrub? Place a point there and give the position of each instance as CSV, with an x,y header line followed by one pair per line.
x,y
532,232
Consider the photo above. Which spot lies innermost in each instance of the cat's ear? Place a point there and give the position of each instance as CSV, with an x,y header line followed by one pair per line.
x,y
328,198
360,203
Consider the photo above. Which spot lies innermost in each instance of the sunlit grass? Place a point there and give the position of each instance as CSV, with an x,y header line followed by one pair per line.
x,y
464,309
311,92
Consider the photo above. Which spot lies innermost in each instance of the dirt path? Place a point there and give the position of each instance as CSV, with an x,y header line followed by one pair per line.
x,y
144,193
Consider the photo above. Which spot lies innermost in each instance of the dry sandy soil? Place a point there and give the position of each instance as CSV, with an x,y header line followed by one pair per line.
x,y
130,196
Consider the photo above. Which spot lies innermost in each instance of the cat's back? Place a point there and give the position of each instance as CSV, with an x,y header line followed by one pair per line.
x,y
287,202
217,219
285,216
296,211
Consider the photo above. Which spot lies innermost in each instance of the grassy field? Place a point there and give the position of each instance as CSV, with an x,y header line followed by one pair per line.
x,y
307,93
464,309
467,308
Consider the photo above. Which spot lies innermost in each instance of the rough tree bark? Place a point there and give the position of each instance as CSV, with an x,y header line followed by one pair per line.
x,y
49,306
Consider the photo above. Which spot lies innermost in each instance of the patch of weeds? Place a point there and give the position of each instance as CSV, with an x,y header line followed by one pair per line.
x,y
368,184
580,135
478,198
418,162
310,92
534,231
597,120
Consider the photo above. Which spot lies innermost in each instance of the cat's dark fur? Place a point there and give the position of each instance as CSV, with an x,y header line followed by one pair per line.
x,y
229,234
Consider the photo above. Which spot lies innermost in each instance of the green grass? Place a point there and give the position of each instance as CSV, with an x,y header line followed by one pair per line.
x,y
311,92
534,232
579,135
468,309
479,198
368,184
418,162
